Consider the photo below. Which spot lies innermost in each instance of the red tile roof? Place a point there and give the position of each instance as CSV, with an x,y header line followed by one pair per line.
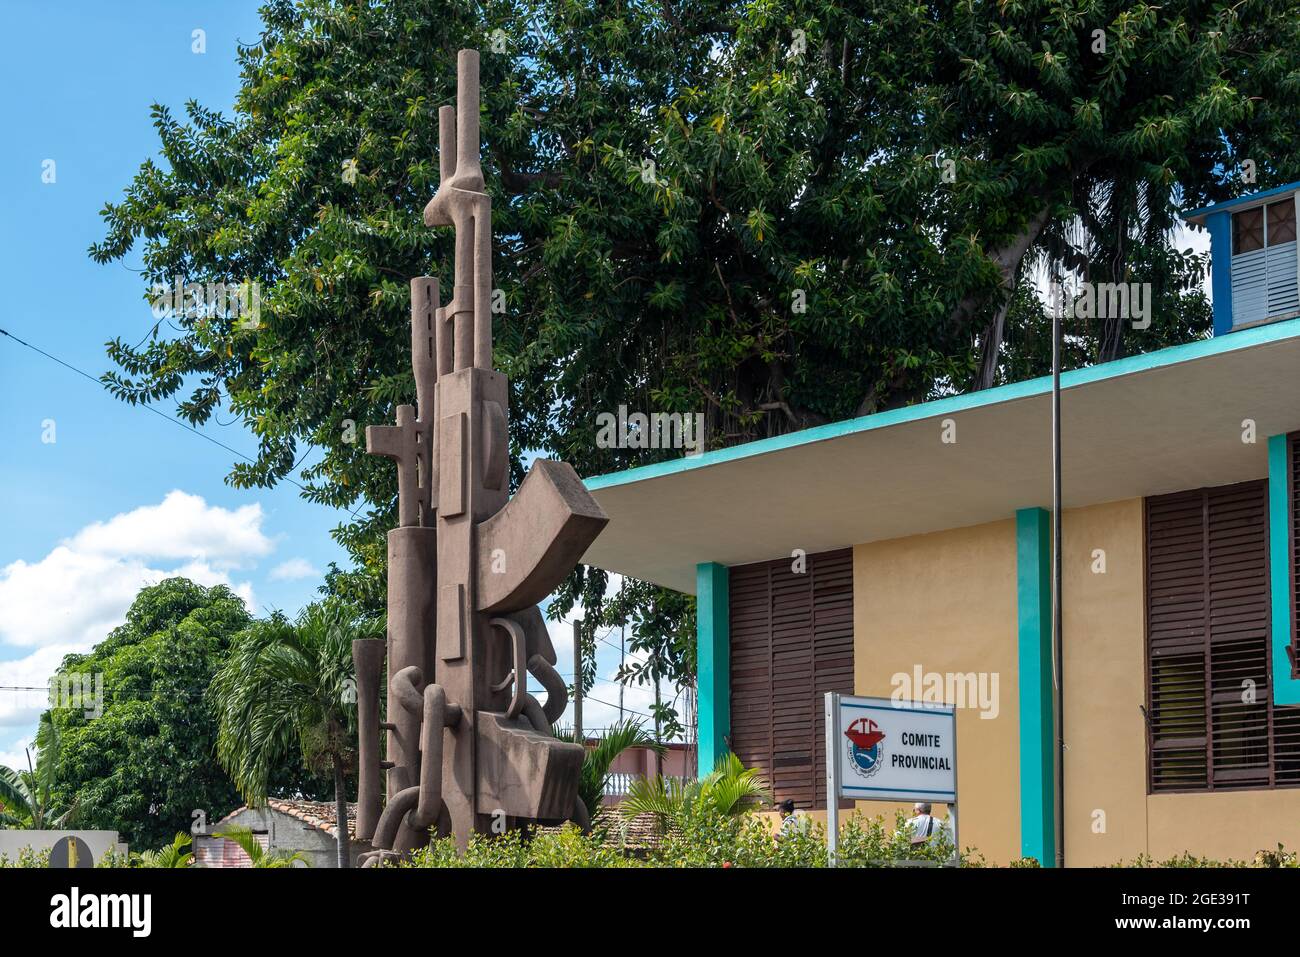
x,y
317,814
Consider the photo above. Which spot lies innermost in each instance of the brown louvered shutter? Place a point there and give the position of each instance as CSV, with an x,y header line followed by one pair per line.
x,y
1176,641
1238,629
832,583
751,666
1211,720
791,642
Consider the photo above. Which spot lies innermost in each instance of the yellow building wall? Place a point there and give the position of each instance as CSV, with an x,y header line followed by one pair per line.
x,y
1104,621
947,602
1223,825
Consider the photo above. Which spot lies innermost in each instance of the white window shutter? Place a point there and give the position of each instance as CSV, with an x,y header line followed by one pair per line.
x,y
1264,281
1282,297
1249,287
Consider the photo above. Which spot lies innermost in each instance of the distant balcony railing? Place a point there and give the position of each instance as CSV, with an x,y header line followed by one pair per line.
x,y
620,782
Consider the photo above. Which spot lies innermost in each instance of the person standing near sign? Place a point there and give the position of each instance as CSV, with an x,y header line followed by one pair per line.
x,y
791,820
922,825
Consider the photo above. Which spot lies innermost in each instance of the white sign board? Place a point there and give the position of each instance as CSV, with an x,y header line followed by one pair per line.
x,y
878,749
896,751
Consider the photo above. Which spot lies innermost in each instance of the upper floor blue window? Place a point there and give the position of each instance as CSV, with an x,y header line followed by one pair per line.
x,y
1255,257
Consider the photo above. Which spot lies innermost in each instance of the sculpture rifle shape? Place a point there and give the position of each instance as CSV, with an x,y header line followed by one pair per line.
x,y
467,744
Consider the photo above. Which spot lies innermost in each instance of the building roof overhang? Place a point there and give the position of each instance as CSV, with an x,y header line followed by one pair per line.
x,y
1144,425
1198,216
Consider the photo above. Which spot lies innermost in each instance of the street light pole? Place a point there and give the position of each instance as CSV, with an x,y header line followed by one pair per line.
x,y
577,682
1057,644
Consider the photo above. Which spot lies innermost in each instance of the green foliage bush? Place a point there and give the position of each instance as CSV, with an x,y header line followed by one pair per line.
x,y
567,847
701,837
26,858
706,839
1278,858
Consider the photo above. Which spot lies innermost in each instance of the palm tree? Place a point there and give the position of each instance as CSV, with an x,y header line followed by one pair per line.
x,y
25,795
256,853
287,683
597,761
175,854
731,788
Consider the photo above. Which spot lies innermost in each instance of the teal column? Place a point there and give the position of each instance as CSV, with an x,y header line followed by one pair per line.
x,y
1286,689
713,662
1037,734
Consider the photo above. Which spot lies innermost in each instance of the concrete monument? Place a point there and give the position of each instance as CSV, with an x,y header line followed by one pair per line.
x,y
469,749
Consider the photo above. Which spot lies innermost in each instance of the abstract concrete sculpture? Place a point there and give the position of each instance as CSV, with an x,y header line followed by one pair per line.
x,y
469,749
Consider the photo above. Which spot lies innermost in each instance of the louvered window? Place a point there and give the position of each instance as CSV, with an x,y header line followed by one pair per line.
x,y
791,642
1211,722
1264,263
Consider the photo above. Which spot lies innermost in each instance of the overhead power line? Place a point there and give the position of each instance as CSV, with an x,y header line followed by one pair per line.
x,y
148,408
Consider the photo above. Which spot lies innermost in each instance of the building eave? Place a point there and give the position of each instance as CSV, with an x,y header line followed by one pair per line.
x,y
1197,217
1141,425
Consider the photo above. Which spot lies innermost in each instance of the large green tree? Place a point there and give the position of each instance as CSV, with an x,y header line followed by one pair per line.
x,y
778,214
146,763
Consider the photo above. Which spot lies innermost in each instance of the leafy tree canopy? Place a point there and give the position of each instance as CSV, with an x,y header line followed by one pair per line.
x,y
778,214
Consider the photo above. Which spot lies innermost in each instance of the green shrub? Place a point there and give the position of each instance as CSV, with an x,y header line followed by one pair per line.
x,y
701,837
566,847
27,858
1278,858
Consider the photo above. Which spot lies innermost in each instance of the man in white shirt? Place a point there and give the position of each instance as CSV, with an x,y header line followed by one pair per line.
x,y
923,825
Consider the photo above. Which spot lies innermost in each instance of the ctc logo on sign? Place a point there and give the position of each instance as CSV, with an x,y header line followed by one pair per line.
x,y
865,748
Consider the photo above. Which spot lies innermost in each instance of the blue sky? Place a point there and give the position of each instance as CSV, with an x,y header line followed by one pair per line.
x,y
119,497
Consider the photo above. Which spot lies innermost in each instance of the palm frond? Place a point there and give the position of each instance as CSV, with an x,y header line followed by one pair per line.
x,y
650,796
598,759
247,842
172,855
13,791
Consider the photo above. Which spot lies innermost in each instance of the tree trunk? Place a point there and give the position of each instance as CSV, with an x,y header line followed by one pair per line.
x,y
341,813
992,346
1007,259
1110,343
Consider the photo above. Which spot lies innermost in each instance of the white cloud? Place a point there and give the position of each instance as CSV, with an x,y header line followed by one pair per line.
x,y
23,708
73,597
16,755
81,590
292,570
181,526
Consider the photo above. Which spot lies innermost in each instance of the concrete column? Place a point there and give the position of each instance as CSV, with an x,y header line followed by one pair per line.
x,y
1286,689
1037,729
713,662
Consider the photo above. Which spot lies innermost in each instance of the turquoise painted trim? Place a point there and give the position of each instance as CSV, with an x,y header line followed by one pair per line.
x,y
1220,226
713,662
1030,388
1286,690
1240,201
1037,728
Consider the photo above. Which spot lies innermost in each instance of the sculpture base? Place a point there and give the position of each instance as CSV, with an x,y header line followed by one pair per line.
x,y
523,773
